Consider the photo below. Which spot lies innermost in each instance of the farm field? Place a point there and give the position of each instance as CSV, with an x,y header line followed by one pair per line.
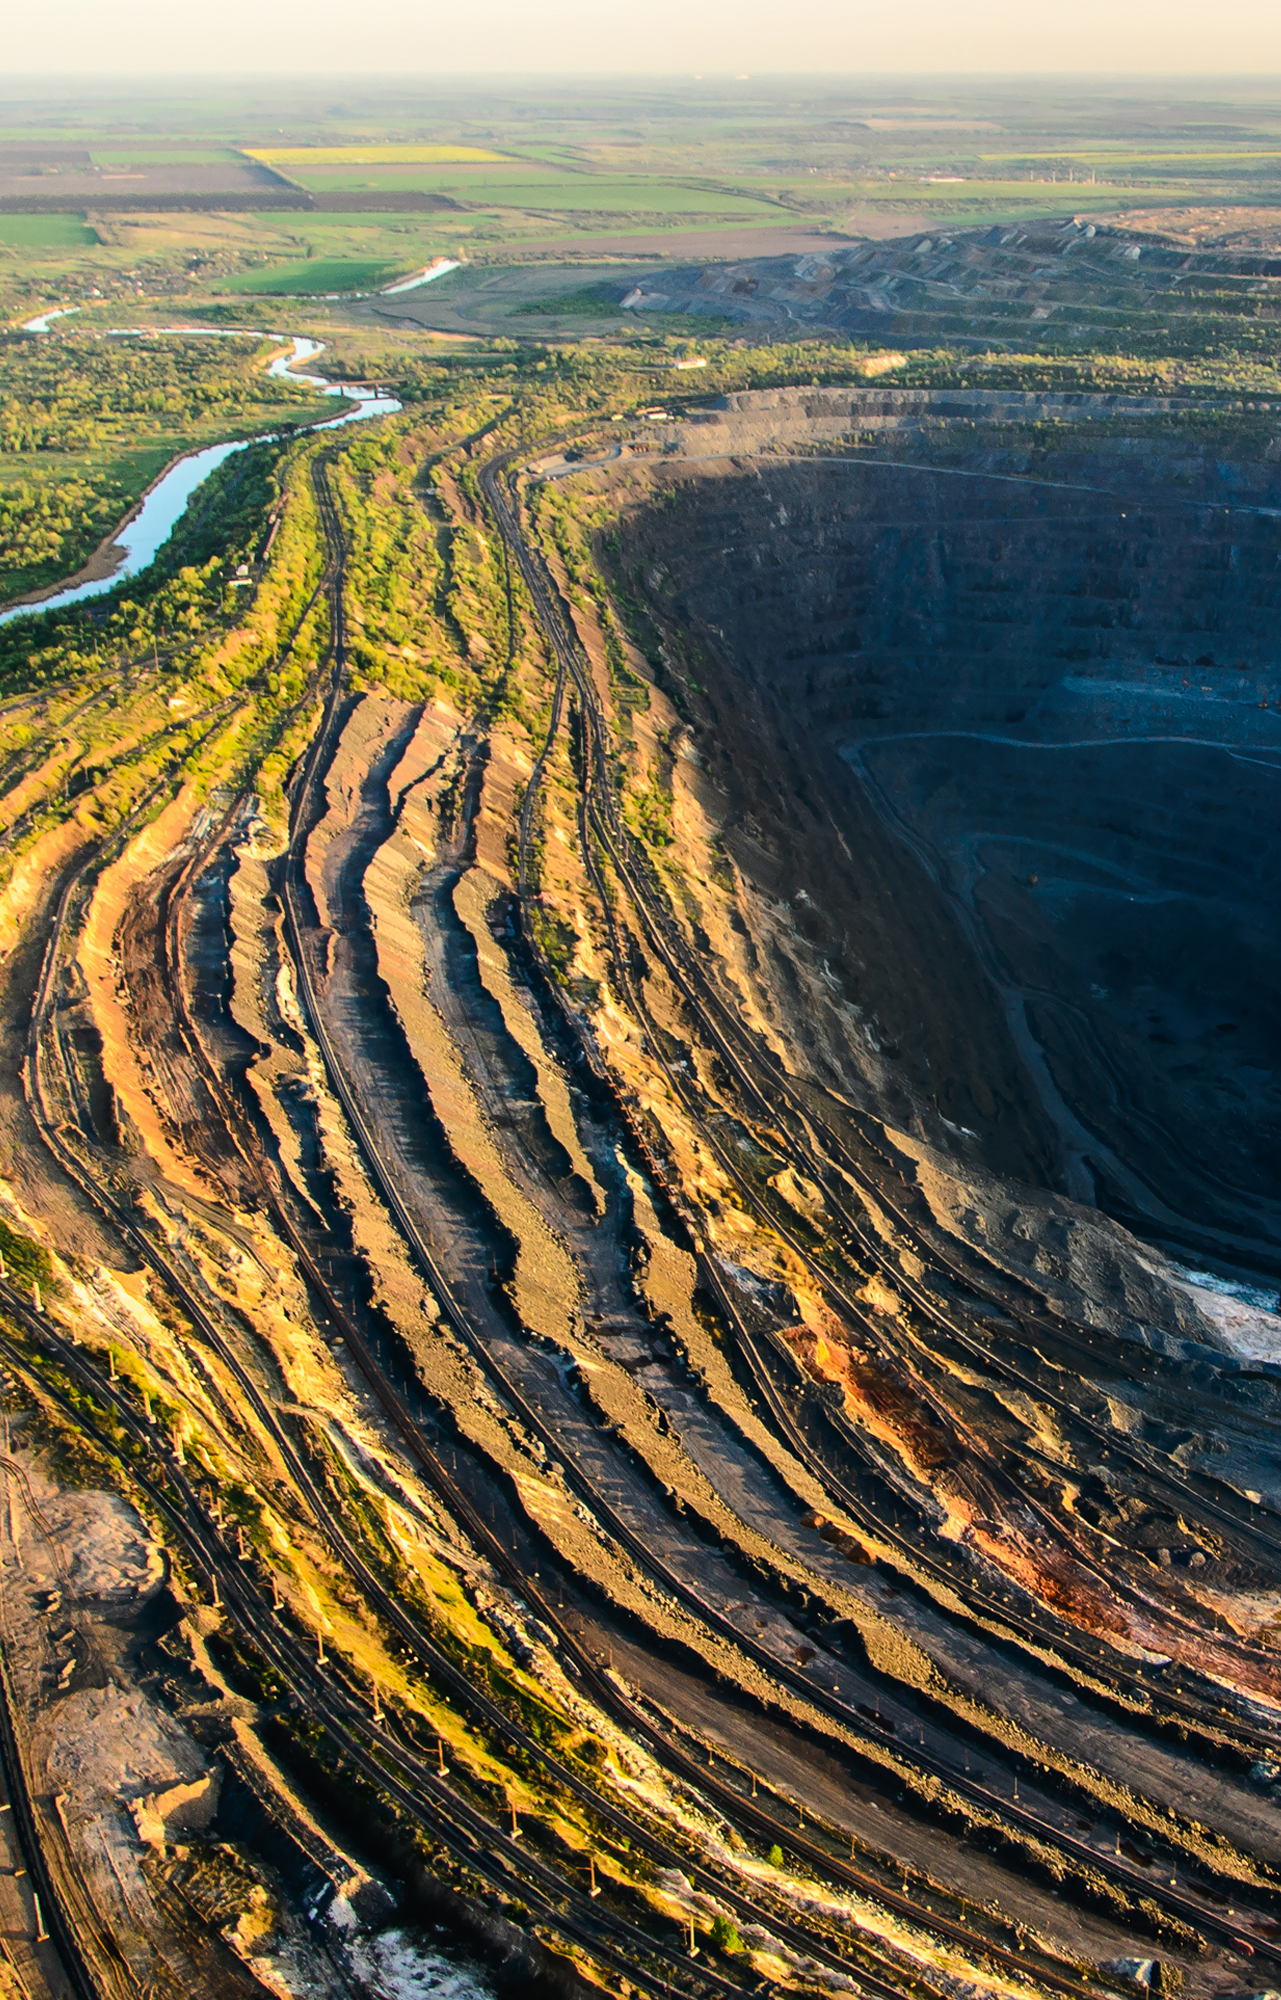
x,y
317,275
838,160
372,155
568,192
46,232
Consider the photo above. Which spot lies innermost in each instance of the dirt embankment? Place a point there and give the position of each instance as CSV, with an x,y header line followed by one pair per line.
x,y
28,907
473,899
127,1066
545,1285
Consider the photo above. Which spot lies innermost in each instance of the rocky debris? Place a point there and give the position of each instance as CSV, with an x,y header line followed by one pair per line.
x,y
971,286
164,1818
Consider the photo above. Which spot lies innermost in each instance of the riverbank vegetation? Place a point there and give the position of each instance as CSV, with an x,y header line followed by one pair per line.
x,y
87,423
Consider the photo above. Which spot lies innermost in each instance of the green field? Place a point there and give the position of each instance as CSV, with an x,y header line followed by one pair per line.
x,y
314,276
438,180
46,231
329,229
618,170
597,194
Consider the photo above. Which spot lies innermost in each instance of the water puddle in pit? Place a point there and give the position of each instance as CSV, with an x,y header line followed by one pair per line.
x,y
1248,1319
141,537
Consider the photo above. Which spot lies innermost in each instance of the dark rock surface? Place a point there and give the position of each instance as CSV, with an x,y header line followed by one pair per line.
x,y
1004,733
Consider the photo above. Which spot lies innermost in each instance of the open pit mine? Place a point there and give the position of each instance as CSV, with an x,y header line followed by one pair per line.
x,y
640,1327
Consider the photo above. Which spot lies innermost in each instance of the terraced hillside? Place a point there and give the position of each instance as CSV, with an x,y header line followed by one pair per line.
x,y
1078,282
638,1217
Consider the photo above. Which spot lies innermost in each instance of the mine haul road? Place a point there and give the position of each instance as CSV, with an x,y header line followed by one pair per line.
x,y
773,1092
486,1846
588,1480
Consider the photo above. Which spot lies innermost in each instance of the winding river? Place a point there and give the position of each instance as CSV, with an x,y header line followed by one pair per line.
x,y
140,538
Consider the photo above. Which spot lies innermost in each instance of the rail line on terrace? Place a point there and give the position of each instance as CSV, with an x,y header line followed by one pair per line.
x,y
611,1697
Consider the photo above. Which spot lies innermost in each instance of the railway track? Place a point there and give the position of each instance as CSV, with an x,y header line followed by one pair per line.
x,y
66,1920
1186,1907
640,1551
799,1684
477,1836
382,1755
755,1071
437,1663
583,1922
349,1723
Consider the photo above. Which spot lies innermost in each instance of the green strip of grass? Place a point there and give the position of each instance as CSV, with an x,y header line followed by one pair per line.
x,y
594,193
46,231
316,275
588,302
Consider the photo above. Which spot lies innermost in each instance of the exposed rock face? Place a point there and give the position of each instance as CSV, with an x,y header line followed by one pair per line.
x,y
998,738
177,1812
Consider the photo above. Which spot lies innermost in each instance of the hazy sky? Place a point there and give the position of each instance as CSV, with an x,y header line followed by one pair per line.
x,y
664,37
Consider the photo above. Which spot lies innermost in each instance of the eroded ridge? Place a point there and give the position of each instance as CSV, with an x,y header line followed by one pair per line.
x,y
638,1400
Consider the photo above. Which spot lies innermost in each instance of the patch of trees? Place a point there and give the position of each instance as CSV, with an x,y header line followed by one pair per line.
x,y
74,393
94,400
